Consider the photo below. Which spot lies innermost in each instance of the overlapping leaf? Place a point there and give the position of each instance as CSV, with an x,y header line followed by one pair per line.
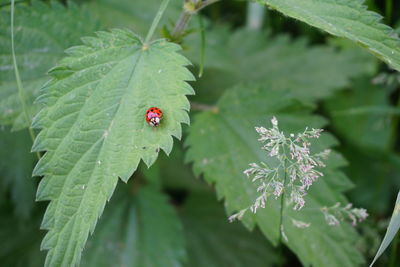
x,y
223,144
344,18
20,240
213,241
135,15
94,131
42,33
137,231
16,165
362,117
366,108
250,56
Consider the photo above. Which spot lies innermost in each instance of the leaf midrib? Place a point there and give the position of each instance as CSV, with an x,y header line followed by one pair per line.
x,y
101,138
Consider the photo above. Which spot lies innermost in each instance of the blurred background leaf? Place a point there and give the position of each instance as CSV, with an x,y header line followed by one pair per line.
x,y
214,242
42,33
16,164
137,230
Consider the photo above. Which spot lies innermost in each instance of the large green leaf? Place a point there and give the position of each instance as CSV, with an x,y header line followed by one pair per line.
x,y
94,130
214,242
42,33
16,165
223,144
345,18
309,72
130,233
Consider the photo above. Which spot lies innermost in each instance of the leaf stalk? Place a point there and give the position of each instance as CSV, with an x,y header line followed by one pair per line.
x,y
21,93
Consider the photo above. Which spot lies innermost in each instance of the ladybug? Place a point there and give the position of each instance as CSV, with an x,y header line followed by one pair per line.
x,y
154,116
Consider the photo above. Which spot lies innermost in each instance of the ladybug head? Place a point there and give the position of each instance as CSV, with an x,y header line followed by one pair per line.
x,y
155,121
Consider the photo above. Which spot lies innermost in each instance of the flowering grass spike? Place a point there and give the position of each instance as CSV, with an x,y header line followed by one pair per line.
x,y
290,172
292,168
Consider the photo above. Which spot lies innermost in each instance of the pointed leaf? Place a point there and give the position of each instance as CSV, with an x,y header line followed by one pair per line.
x,y
393,228
94,129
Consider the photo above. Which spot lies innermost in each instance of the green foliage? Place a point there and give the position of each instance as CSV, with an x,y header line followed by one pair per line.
x,y
42,32
369,140
250,56
20,239
365,106
137,16
349,19
130,233
229,244
94,131
392,229
16,166
234,145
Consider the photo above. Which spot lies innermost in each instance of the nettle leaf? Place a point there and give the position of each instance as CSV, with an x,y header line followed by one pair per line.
x,y
130,233
229,143
281,61
213,241
94,130
349,19
42,33
16,165
361,114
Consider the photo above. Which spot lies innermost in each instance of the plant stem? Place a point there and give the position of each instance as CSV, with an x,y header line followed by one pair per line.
x,y
203,107
189,9
21,94
156,20
181,23
281,214
388,10
255,16
202,46
282,203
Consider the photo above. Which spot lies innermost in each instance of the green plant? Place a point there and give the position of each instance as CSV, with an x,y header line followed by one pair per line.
x,y
85,119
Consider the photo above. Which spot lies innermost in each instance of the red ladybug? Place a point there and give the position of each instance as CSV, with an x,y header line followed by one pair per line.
x,y
154,116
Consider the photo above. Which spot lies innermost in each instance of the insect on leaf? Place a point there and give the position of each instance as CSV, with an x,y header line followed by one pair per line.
x,y
93,129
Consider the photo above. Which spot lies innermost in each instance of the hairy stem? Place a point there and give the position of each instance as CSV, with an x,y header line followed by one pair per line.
x,y
21,92
282,203
190,8
156,20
